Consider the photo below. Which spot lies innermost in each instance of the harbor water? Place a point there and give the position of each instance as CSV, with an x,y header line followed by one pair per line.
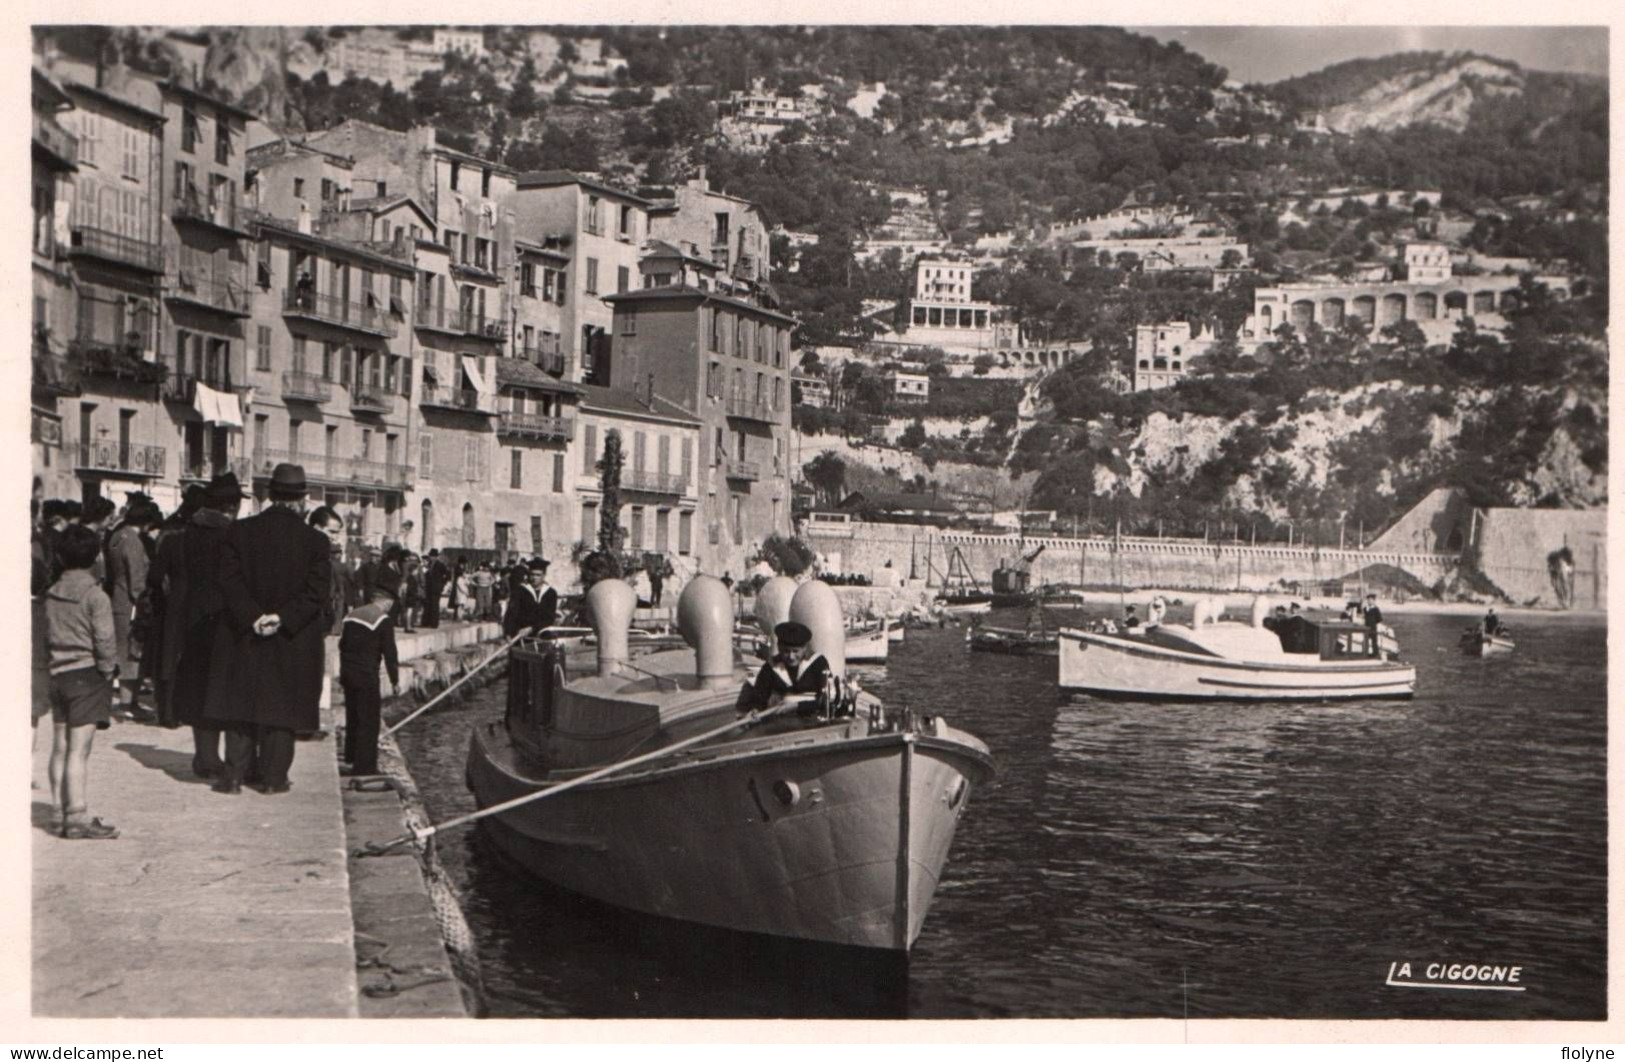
x,y
1135,860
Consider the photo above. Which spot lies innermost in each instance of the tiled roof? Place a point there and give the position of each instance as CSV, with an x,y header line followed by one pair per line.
x,y
554,178
517,372
616,400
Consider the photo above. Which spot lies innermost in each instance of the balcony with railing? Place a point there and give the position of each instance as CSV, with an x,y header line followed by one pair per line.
x,y
181,386
749,471
214,209
548,360
118,360
746,408
384,474
467,400
652,482
226,294
54,145
54,374
371,398
111,456
333,470
112,247
204,467
535,425
330,309
306,387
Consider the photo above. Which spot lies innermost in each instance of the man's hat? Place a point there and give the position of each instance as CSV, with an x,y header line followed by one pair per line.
x,y
434,553
388,581
223,490
288,478
536,564
792,635
1131,608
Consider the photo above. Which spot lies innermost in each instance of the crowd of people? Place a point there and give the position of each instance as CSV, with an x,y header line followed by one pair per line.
x,y
221,623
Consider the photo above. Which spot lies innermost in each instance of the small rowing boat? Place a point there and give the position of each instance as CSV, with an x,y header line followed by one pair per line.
x,y
1475,641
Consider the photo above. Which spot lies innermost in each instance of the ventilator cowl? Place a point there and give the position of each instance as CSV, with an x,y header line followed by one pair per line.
x,y
610,604
773,606
817,606
705,619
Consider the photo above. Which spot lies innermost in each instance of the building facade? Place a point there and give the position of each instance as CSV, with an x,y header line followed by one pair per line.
x,y
603,228
54,164
726,362
942,312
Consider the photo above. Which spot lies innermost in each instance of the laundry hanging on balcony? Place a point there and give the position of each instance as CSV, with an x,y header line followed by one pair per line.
x,y
217,407
471,366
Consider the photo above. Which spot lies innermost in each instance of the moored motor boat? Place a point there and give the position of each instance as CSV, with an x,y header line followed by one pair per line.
x,y
867,643
828,818
963,603
1475,641
1216,661
895,629
1013,641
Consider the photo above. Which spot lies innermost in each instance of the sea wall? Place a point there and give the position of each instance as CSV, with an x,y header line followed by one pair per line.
x,y
1515,547
864,548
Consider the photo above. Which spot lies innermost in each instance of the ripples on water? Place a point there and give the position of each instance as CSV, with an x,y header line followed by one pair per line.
x,y
1136,860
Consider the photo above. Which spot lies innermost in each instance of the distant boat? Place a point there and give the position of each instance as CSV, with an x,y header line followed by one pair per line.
x,y
1475,642
830,822
1217,661
867,643
1011,582
961,593
1012,641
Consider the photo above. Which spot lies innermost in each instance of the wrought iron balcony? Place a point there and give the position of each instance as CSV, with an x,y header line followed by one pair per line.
x,y
110,455
652,482
306,387
330,309
120,360
549,361
437,396
749,409
380,474
535,426
206,468
55,374
318,468
210,209
371,398
182,386
54,145
743,470
111,247
224,294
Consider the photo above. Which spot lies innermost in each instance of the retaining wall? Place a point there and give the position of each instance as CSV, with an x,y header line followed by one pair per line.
x,y
866,547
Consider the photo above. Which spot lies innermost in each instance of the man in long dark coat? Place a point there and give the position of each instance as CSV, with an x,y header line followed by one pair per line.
x,y
188,570
434,587
265,675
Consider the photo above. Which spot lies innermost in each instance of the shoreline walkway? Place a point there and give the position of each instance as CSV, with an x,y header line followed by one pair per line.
x,y
206,905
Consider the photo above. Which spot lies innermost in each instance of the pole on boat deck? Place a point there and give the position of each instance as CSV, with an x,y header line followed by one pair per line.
x,y
742,723
470,673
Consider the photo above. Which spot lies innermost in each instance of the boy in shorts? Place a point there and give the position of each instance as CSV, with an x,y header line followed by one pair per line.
x,y
83,665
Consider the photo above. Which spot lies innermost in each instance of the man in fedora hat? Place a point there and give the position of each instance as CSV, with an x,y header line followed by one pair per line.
x,y
186,573
534,605
265,674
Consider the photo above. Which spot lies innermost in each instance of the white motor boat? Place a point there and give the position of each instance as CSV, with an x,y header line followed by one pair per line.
x,y
1217,661
867,644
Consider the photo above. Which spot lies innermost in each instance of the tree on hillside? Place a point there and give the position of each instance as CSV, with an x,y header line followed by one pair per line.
x,y
827,474
524,101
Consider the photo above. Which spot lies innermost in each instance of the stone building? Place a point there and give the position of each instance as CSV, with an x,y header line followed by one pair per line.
x,y
603,228
53,166
332,371
726,362
942,312
660,490
731,232
116,436
207,290
1162,354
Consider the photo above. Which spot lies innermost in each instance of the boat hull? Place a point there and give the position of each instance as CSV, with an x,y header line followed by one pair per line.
x,y
1487,645
839,839
867,647
1116,667
1012,642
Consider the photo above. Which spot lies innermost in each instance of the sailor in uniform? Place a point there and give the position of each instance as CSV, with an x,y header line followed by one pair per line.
x,y
368,639
795,669
533,604
1159,609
